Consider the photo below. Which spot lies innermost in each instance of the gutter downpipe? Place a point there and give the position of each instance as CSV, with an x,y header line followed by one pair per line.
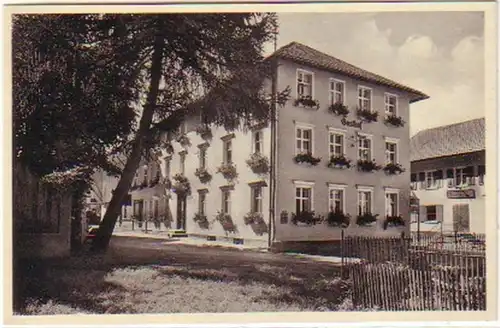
x,y
273,153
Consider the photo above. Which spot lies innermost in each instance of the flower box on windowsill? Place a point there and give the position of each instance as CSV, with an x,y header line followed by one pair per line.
x,y
394,221
228,171
394,120
181,185
204,131
366,219
253,218
226,221
306,217
393,168
184,140
203,175
338,109
339,162
258,163
306,101
155,181
202,220
338,219
368,166
307,158
143,185
367,115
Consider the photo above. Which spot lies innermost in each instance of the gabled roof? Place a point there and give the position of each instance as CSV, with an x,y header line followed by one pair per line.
x,y
308,56
448,140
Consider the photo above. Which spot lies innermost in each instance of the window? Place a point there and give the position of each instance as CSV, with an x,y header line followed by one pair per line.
x,y
257,141
202,198
365,200
431,213
228,151
336,91
182,157
463,176
203,157
336,198
304,83
391,155
303,199
226,201
413,181
391,104
391,202
304,139
365,98
336,143
145,174
183,128
364,148
168,162
256,206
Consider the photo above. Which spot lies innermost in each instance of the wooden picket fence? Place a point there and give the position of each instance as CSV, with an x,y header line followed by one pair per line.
x,y
395,276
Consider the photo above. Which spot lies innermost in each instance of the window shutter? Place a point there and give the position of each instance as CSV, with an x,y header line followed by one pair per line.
x,y
422,215
439,213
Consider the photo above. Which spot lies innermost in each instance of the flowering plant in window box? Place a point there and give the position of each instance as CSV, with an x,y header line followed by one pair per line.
x,y
258,163
183,140
393,221
366,219
169,148
368,165
155,181
394,120
203,175
339,162
204,131
201,219
181,185
226,221
338,109
367,115
253,218
393,168
228,171
338,218
306,158
307,217
306,101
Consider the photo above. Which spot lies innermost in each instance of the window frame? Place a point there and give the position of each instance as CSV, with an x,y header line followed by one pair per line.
x,y
396,105
393,141
337,187
303,72
359,98
332,93
182,163
168,166
202,158
227,151
427,212
303,126
368,137
304,185
202,202
364,189
392,191
332,131
258,200
226,202
259,133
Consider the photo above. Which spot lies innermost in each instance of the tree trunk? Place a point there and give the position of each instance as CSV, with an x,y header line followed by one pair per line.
x,y
101,242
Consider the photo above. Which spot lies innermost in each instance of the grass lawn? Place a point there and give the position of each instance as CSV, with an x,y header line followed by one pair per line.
x,y
184,281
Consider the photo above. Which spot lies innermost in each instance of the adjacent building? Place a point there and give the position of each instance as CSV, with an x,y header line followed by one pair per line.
x,y
338,149
447,177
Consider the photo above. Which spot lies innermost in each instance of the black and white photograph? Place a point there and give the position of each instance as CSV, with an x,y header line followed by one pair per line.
x,y
236,161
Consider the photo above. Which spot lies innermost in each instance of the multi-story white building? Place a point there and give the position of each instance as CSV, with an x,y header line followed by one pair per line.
x,y
340,145
447,174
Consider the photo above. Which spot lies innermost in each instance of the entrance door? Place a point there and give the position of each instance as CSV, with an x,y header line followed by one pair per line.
x,y
181,212
461,221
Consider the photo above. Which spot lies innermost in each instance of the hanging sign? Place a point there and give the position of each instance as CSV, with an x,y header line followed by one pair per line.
x,y
353,123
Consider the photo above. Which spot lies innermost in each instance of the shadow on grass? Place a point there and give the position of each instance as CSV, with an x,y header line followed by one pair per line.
x,y
80,281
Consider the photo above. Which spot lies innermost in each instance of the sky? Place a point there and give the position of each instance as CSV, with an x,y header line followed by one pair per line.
x,y
438,53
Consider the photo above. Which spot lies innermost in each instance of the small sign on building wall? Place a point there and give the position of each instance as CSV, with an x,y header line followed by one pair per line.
x,y
461,194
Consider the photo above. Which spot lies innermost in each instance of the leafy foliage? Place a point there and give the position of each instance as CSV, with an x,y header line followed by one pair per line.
x,y
307,217
366,219
307,158
258,163
339,162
